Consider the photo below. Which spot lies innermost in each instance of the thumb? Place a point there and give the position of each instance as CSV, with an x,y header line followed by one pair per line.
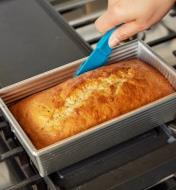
x,y
123,32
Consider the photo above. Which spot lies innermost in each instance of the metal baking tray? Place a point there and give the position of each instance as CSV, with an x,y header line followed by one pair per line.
x,y
100,137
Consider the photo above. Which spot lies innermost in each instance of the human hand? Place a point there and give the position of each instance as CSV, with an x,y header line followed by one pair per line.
x,y
134,15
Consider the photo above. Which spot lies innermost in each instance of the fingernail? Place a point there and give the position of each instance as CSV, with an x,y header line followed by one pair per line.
x,y
113,41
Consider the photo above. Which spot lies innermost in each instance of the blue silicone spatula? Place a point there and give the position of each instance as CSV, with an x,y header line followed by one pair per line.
x,y
99,55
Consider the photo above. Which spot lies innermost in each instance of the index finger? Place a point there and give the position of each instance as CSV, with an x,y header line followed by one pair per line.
x,y
114,16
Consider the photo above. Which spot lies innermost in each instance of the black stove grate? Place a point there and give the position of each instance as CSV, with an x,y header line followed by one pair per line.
x,y
170,36
71,5
17,155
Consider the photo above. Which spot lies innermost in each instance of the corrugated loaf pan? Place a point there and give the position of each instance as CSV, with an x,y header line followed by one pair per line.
x,y
98,138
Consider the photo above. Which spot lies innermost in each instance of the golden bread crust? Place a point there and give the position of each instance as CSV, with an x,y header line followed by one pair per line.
x,y
88,100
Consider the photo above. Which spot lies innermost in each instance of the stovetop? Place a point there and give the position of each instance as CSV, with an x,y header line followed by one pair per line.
x,y
103,171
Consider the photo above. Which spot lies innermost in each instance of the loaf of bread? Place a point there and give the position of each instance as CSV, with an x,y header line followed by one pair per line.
x,y
90,99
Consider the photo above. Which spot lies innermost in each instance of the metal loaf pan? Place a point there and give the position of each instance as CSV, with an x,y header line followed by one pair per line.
x,y
98,138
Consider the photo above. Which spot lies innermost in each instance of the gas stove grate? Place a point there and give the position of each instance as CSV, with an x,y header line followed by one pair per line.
x,y
15,153
70,5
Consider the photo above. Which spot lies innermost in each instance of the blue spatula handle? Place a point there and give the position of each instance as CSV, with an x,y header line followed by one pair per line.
x,y
99,56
